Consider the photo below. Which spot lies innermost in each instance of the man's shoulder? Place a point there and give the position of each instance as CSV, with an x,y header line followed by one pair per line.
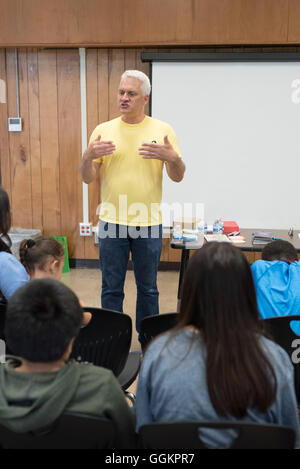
x,y
108,124
158,122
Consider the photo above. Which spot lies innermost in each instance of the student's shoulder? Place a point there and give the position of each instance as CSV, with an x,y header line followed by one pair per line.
x,y
276,354
260,266
95,374
7,258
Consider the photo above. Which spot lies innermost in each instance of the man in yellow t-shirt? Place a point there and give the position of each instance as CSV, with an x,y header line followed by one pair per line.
x,y
132,150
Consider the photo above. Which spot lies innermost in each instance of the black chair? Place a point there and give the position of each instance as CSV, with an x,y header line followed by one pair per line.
x,y
2,319
185,435
279,328
69,431
151,326
105,341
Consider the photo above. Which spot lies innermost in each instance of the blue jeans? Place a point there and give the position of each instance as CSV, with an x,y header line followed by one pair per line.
x,y
115,244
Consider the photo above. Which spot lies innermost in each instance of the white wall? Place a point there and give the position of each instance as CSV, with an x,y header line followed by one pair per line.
x,y
238,126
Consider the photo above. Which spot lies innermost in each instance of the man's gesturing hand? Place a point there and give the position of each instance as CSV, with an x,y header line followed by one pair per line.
x,y
99,148
164,152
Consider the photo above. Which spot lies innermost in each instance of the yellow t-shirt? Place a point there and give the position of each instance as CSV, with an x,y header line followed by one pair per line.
x,y
131,188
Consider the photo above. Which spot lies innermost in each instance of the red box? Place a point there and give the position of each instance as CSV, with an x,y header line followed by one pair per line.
x,y
230,227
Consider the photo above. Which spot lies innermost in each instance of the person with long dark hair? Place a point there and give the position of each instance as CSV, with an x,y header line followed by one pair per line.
x,y
12,273
217,364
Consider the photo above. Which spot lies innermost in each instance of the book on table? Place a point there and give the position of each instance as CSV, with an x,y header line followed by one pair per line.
x,y
262,237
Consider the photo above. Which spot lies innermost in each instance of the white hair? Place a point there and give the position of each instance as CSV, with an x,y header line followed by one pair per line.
x,y
145,86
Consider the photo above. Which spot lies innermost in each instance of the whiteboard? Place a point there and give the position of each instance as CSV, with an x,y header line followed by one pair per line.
x,y
238,129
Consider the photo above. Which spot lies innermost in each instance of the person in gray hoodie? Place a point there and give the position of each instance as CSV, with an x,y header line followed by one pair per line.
x,y
40,383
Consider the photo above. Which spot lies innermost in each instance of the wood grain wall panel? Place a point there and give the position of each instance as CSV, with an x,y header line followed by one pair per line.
x,y
116,68
103,85
135,23
49,142
90,249
69,141
19,142
34,138
4,143
240,22
294,22
130,59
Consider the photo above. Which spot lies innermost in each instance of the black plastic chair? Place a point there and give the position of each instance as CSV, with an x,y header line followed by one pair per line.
x,y
105,341
279,328
151,326
69,431
185,435
2,319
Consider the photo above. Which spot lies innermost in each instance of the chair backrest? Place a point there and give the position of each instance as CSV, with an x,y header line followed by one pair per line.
x,y
69,431
105,340
185,435
151,326
2,319
279,328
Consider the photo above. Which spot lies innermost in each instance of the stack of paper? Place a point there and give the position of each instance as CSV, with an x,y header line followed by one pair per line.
x,y
216,237
262,237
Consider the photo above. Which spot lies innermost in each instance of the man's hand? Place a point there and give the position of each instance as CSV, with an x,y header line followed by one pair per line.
x,y
99,148
164,152
174,164
88,168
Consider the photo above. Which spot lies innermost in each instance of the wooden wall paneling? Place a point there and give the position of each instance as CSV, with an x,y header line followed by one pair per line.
x,y
34,138
130,59
103,85
21,201
49,142
69,122
174,255
240,22
257,256
111,23
152,22
116,68
165,250
143,67
250,256
90,249
4,143
294,22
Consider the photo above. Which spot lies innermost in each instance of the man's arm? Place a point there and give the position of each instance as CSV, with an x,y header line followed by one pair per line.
x,y
88,168
174,164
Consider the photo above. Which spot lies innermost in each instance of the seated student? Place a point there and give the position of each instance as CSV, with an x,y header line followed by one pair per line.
x,y
216,364
277,281
43,319
12,272
45,258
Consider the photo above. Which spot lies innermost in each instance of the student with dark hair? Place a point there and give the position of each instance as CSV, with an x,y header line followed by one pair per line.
x,y
279,250
43,319
216,364
45,258
277,281
12,273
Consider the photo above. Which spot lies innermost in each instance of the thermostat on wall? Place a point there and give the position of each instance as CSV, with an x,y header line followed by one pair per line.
x,y
14,124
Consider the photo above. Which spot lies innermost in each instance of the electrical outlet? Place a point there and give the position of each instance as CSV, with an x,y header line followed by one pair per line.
x,y
85,229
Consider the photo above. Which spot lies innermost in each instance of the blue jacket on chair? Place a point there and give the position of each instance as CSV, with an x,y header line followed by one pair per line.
x,y
277,285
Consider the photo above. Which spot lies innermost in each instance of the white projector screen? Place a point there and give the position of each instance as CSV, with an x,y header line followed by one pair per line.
x,y
238,128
